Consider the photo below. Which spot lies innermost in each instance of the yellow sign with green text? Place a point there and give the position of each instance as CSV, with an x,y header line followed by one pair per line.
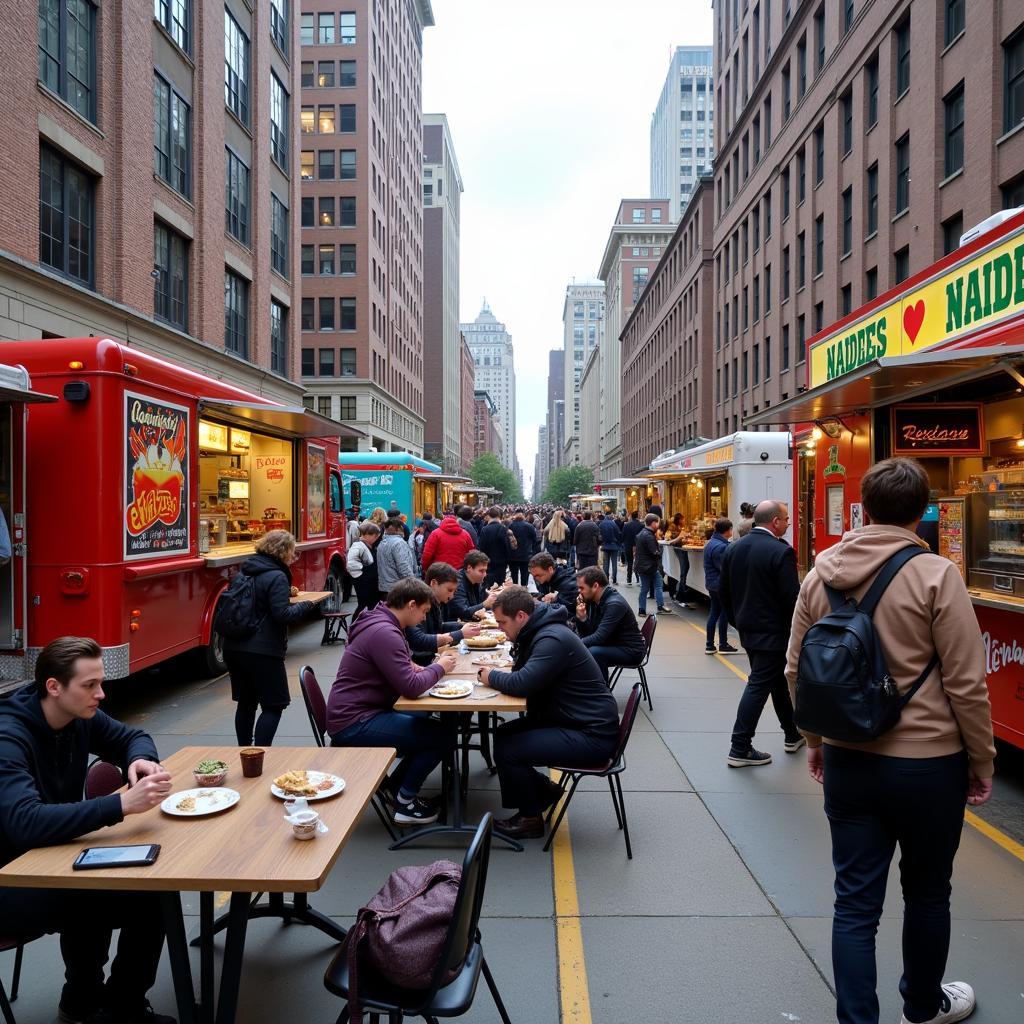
x,y
983,290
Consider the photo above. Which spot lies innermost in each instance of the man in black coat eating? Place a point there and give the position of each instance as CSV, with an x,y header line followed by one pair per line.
x,y
606,623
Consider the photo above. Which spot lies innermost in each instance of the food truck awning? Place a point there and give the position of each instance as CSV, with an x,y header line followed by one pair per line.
x,y
291,421
15,386
448,478
892,379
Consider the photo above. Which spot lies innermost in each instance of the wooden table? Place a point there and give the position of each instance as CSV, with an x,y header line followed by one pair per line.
x,y
247,848
455,712
311,595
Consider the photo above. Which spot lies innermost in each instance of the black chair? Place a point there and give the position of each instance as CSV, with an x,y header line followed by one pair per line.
x,y
647,631
462,949
316,709
335,620
571,777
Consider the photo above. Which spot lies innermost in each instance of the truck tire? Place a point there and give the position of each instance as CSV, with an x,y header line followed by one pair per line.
x,y
335,584
210,657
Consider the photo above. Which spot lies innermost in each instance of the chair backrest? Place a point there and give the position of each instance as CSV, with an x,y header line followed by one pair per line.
x,y
468,904
316,706
627,720
647,631
102,779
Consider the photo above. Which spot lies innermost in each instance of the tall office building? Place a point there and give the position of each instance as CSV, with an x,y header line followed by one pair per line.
x,y
467,385
682,126
556,409
361,165
442,340
582,331
494,359
127,144
540,463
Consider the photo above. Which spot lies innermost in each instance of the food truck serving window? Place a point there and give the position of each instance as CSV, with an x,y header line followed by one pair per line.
x,y
245,484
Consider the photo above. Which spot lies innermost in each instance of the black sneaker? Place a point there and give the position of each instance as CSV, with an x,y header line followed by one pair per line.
x,y
710,649
728,649
144,1014
791,746
665,610
749,759
643,615
416,812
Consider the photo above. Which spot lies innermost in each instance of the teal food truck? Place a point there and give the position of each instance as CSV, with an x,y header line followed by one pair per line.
x,y
376,479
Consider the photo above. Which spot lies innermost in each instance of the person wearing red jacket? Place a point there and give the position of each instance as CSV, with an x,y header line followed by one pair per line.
x,y
448,543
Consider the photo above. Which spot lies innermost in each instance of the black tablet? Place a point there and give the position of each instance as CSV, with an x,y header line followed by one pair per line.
x,y
116,857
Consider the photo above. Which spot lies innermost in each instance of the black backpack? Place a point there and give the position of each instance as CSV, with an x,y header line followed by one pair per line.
x,y
843,686
236,617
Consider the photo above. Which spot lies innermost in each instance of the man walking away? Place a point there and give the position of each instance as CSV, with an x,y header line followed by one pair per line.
x,y
629,535
714,555
526,547
909,786
611,544
758,590
648,565
494,544
587,540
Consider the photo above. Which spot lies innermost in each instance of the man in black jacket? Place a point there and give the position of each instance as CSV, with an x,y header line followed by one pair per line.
x,y
758,589
439,628
571,718
629,535
494,544
554,582
47,732
605,622
465,517
471,598
648,566
587,540
526,547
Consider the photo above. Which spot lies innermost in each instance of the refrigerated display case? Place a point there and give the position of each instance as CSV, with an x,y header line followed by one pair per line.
x,y
996,539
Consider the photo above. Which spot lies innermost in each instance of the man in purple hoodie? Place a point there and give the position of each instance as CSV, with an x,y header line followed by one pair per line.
x,y
376,670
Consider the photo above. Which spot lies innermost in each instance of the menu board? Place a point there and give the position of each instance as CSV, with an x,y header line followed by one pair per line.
x,y
951,532
316,472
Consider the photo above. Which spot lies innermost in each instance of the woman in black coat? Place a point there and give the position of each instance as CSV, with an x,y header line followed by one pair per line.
x,y
256,663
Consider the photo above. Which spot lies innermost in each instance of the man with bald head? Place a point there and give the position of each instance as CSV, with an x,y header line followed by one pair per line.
x,y
758,589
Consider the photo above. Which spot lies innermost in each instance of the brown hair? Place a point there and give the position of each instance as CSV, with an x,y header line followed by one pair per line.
x,y
895,492
57,659
475,557
440,572
368,527
513,600
593,574
279,544
722,525
541,560
408,590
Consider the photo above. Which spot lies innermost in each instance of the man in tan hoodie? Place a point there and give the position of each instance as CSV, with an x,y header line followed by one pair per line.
x,y
909,786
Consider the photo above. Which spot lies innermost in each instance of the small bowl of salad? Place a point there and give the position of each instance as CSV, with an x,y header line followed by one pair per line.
x,y
210,773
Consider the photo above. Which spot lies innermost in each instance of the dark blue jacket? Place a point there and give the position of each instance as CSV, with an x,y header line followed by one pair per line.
x,y
629,533
42,774
526,539
494,543
469,598
273,605
423,638
562,583
611,534
714,554
611,623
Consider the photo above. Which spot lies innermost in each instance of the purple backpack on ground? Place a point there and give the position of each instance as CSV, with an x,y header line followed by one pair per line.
x,y
400,934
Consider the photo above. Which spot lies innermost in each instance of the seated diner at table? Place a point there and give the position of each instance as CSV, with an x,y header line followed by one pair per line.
x,y
439,628
553,582
606,623
47,732
472,600
571,719
376,669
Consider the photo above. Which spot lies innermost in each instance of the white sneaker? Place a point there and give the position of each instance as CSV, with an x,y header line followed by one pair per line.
x,y
958,1003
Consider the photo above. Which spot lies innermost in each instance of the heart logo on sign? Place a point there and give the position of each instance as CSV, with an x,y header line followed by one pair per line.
x,y
913,318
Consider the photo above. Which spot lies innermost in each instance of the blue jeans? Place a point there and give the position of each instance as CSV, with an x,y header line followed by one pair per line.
x,y
873,803
610,557
683,592
650,582
422,743
717,617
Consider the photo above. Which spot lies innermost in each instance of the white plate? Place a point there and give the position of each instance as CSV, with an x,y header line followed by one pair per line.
x,y
315,778
465,691
210,800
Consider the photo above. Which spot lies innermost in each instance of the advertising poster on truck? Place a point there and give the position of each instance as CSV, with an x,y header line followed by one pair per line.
x,y
373,489
316,471
156,514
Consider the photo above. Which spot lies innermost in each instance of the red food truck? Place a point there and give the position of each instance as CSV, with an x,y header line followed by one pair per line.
x,y
135,488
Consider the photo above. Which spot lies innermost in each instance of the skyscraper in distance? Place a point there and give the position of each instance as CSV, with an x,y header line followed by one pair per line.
x,y
494,360
582,329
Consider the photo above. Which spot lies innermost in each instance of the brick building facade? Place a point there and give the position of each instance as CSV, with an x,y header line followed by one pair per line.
x,y
467,385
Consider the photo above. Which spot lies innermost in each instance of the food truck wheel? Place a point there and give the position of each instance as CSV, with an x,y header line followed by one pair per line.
x,y
211,657
333,583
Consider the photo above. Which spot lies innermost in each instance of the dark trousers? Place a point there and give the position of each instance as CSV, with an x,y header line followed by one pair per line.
x,y
767,679
367,594
874,803
585,558
717,617
629,565
608,657
520,744
683,592
496,573
611,563
519,572
422,743
85,921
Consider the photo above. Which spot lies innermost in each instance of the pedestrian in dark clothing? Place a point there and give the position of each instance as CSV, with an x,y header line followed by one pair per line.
x,y
395,513
47,733
471,598
587,540
606,623
630,531
647,563
714,555
256,663
362,567
440,628
526,547
494,544
571,718
611,544
758,589
554,582
465,519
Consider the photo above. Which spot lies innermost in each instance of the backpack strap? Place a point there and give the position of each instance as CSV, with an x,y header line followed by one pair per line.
x,y
886,574
905,699
836,598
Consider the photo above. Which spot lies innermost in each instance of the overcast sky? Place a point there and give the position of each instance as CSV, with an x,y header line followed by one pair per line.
x,y
549,105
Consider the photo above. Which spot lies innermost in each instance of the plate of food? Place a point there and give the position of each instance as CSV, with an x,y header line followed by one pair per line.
x,y
495,634
483,642
311,785
495,660
488,623
451,690
197,803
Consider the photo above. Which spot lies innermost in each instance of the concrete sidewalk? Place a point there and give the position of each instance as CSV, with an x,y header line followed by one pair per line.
x,y
722,917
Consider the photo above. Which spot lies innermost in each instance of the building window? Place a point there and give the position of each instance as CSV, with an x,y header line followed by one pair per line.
x,y
347,25
236,69
801,176
171,136
846,106
847,15
801,259
326,313
325,164
325,74
768,215
308,324
871,284
66,217
307,120
323,405
307,31
901,264
308,212
801,339
786,101
872,210
325,29
655,216
325,259
306,165
236,202
784,346
871,73
326,364
346,260
347,171
1013,93
306,263
348,315
954,112
756,364
819,154
902,57
639,216
279,24
278,236
347,213
306,76
785,194
324,119
768,289
347,410
819,39
347,73
952,229
278,122
278,338
785,273
308,355
236,314
845,299
170,285
326,218
175,16
801,68
348,362
848,220
903,173
819,244
347,118
956,19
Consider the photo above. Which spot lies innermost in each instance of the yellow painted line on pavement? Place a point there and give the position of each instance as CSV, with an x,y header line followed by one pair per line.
x,y
999,838
572,966
721,657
